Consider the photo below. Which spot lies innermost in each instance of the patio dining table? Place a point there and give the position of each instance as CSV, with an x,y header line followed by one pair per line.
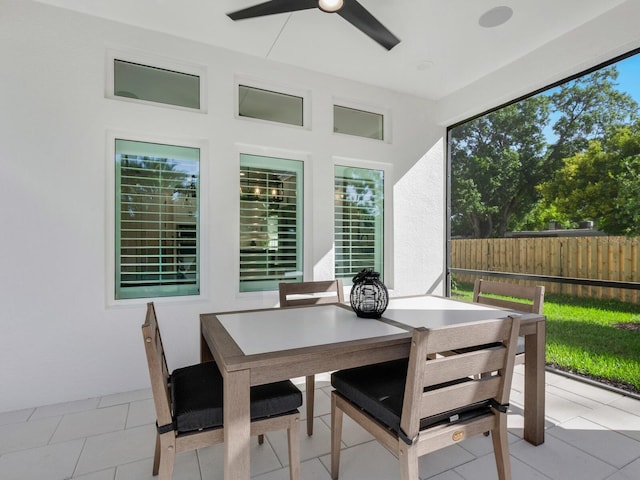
x,y
262,346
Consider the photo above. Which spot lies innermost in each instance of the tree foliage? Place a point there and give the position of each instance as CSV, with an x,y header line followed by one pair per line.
x,y
601,183
494,159
499,160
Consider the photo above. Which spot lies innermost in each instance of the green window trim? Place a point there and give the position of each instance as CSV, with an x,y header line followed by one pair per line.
x,y
156,220
359,221
271,222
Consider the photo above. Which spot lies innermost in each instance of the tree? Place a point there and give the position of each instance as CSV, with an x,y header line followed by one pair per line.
x,y
496,163
499,159
602,183
586,108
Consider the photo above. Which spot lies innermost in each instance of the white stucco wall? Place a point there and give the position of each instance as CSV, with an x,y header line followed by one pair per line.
x,y
62,338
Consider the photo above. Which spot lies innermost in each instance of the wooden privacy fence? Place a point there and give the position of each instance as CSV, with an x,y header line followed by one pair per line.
x,y
595,258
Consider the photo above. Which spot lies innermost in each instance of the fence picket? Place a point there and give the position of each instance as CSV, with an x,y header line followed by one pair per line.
x,y
601,258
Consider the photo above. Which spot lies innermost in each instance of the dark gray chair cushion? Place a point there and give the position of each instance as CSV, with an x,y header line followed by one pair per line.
x,y
379,391
196,393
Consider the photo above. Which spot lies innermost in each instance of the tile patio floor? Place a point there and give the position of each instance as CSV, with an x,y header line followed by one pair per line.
x,y
592,434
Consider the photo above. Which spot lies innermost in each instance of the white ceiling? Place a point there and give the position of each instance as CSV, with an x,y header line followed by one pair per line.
x,y
443,48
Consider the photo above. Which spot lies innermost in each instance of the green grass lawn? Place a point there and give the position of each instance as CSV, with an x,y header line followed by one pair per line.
x,y
583,337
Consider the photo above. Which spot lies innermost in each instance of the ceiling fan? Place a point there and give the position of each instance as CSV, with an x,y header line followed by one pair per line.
x,y
351,10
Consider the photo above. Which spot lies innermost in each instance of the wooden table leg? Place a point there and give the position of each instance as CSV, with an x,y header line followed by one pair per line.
x,y
237,426
534,385
205,351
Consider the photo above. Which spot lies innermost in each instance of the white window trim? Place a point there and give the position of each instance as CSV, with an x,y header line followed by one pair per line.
x,y
110,216
354,104
155,61
253,82
387,168
307,224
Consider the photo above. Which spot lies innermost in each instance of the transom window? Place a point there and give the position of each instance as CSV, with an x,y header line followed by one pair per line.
x,y
153,84
269,105
360,123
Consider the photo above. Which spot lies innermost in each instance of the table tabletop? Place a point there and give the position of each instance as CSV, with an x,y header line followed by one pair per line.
x,y
281,329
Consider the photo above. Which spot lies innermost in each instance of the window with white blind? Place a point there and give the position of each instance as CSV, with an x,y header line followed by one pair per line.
x,y
359,225
270,222
156,216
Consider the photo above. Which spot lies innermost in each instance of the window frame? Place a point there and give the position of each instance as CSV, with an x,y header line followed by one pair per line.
x,y
387,273
264,163
367,108
111,229
250,82
305,199
159,63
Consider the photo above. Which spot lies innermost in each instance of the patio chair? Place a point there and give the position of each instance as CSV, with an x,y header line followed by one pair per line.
x,y
417,406
522,298
303,295
189,406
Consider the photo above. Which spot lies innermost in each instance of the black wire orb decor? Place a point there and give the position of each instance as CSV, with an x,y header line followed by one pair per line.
x,y
369,296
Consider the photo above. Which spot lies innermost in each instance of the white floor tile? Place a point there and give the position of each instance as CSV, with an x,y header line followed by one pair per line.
x,y
309,470
108,474
16,416
52,462
615,419
630,472
186,468
561,461
23,435
314,446
484,468
116,448
443,460
368,461
448,475
560,409
65,408
125,397
627,404
91,422
609,446
586,390
142,412
352,433
263,460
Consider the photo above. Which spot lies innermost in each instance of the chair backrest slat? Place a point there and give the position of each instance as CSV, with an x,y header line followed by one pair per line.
x,y
460,395
158,370
490,346
447,369
466,335
308,289
534,295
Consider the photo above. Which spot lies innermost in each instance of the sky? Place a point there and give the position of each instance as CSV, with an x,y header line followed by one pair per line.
x,y
628,81
629,78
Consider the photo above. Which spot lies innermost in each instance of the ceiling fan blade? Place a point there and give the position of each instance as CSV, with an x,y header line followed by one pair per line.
x,y
360,18
273,7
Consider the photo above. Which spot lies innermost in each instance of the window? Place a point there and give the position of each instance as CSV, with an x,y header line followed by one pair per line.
x,y
359,226
270,222
142,82
156,216
351,121
271,106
